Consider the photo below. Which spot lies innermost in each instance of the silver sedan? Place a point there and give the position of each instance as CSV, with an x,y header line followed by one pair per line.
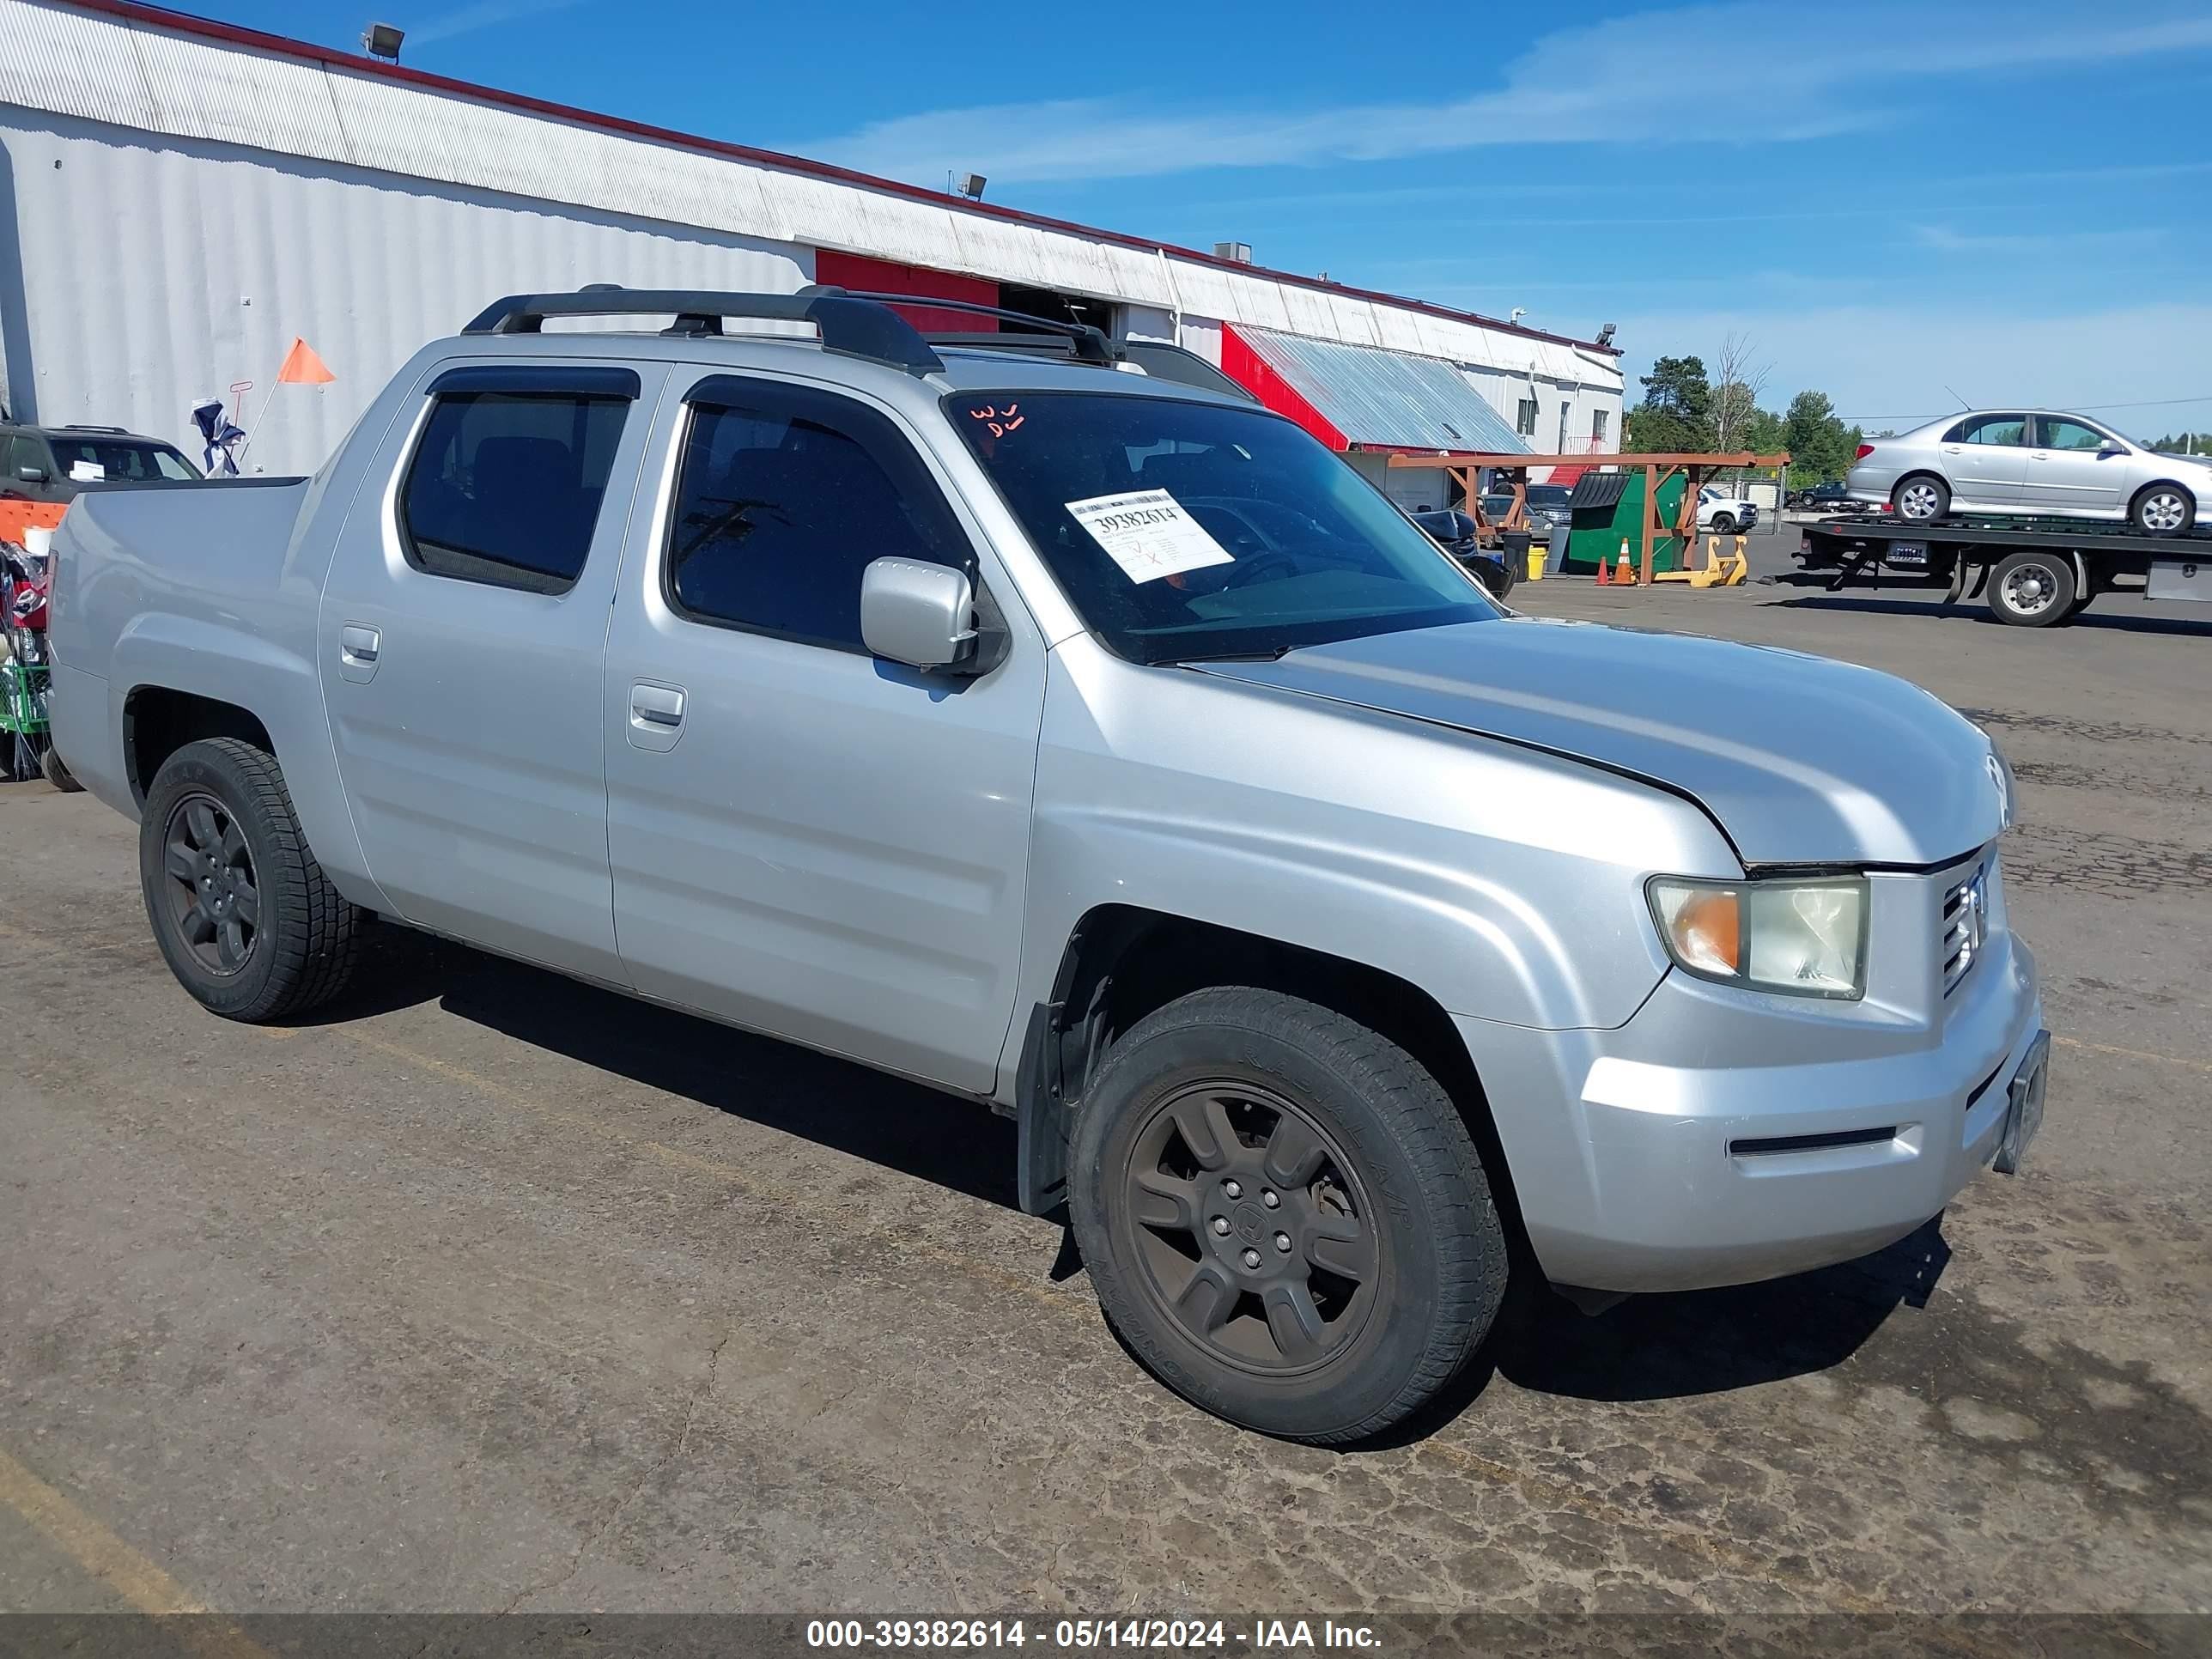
x,y
2031,463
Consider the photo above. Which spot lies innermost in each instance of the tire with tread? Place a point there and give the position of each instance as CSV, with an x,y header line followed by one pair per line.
x,y
308,935
58,774
2150,498
1939,493
1439,1236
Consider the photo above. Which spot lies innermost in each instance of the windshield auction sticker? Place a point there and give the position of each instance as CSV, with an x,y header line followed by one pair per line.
x,y
1148,534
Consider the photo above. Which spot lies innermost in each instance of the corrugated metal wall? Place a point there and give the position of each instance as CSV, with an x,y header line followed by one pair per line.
x,y
100,68
138,274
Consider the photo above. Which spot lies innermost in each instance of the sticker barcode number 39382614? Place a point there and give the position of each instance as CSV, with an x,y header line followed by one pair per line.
x,y
1148,534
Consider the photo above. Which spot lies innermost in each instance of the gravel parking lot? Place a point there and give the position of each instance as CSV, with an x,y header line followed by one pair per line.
x,y
489,1292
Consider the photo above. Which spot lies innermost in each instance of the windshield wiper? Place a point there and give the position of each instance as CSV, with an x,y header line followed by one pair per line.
x,y
1263,653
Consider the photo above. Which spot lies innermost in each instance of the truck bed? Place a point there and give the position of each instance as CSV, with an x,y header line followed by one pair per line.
x,y
2085,535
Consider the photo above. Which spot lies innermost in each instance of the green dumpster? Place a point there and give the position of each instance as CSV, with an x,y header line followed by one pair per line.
x,y
1607,506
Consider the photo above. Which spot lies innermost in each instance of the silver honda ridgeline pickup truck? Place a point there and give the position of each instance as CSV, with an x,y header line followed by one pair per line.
x,y
1102,747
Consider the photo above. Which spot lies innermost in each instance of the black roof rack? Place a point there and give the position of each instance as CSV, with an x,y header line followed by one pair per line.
x,y
1088,343
86,426
857,326
1159,360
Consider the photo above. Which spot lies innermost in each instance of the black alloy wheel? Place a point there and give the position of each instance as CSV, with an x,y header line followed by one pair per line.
x,y
1255,1234
212,896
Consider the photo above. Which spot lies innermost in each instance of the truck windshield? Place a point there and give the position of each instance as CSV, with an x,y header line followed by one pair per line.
x,y
1183,531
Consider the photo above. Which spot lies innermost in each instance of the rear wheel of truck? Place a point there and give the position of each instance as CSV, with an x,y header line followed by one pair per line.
x,y
1283,1215
2032,588
58,774
246,918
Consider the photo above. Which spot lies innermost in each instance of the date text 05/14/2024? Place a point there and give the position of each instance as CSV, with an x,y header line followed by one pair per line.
x,y
1083,1635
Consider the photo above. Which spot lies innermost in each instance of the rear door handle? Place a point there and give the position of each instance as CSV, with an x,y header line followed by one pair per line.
x,y
359,647
661,705
656,714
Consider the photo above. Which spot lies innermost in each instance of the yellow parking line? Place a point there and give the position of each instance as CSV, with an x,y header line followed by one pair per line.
x,y
116,1564
2132,1054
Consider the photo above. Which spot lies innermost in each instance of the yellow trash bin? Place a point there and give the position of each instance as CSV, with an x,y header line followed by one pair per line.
x,y
1536,555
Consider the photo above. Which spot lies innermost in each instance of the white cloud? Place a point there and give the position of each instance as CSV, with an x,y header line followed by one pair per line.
x,y
482,14
1604,81
1944,239
1893,361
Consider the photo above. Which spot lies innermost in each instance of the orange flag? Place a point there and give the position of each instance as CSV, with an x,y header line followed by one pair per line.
x,y
302,367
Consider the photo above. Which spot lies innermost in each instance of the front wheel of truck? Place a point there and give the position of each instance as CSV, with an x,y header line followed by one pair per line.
x,y
246,918
1283,1215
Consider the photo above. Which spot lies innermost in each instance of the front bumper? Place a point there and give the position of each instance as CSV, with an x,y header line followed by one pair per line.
x,y
1717,1139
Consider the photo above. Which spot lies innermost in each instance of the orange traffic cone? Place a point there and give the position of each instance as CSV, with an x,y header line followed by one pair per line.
x,y
1627,571
1603,580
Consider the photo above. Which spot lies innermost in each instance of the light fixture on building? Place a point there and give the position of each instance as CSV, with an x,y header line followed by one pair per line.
x,y
1239,251
971,186
382,40
1605,335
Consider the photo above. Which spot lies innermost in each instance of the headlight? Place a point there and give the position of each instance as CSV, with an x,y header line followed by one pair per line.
x,y
1804,938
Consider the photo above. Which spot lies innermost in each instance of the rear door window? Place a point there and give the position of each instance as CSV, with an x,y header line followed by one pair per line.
x,y
2006,430
506,484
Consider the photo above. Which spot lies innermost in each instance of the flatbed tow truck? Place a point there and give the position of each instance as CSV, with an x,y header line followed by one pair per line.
x,y
2034,571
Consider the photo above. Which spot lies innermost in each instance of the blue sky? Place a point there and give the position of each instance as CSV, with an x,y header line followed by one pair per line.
x,y
2013,200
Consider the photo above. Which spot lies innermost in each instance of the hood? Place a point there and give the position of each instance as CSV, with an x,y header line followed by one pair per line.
x,y
1800,760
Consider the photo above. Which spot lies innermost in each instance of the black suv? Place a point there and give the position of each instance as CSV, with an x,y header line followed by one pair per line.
x,y
53,463
1829,497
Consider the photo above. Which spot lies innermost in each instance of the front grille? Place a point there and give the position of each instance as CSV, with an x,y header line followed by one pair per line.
x,y
1964,925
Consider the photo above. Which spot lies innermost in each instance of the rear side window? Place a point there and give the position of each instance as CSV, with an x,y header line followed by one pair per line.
x,y
785,496
505,487
2007,430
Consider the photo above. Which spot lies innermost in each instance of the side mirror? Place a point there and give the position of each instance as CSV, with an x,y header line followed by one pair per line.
x,y
922,615
2111,446
32,474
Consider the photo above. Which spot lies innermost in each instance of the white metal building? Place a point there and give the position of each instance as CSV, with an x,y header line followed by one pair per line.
x,y
180,199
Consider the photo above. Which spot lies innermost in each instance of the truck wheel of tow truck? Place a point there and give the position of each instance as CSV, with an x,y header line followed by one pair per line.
x,y
1283,1215
246,918
2032,588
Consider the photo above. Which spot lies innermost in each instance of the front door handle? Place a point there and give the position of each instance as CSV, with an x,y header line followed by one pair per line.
x,y
656,714
358,645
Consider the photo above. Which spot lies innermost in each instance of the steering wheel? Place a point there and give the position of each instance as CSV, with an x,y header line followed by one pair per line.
x,y
1245,572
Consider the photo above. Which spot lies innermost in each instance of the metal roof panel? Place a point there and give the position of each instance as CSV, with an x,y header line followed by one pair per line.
x,y
1389,399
